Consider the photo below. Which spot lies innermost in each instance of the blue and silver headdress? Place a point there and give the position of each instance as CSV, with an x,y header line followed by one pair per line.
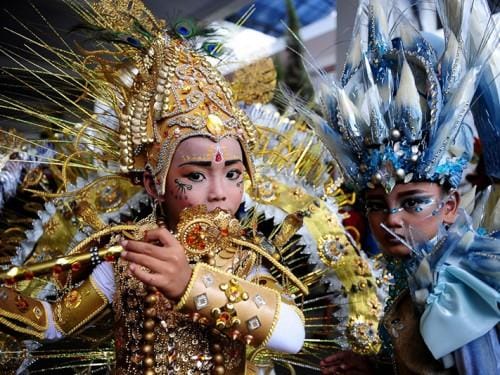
x,y
399,112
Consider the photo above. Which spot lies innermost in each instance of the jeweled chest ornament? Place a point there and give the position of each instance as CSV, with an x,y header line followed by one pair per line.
x,y
205,234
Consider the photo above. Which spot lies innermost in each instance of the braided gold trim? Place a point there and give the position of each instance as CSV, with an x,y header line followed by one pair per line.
x,y
25,320
187,292
284,270
299,312
8,323
273,324
270,282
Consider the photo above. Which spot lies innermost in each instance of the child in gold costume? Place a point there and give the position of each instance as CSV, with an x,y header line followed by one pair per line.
x,y
191,288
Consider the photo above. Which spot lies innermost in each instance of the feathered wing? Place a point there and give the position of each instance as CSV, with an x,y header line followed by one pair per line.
x,y
295,180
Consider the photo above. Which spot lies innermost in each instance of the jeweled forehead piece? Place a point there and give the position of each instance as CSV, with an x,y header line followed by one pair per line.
x,y
177,95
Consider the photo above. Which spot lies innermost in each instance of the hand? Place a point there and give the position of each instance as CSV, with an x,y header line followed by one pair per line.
x,y
164,256
346,362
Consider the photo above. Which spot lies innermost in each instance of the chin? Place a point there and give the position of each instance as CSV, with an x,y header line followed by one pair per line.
x,y
398,251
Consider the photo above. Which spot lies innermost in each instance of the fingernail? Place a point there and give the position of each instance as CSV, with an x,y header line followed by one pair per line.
x,y
123,254
132,267
124,243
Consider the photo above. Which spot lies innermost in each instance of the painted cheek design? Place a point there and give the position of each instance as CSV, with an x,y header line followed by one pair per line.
x,y
182,189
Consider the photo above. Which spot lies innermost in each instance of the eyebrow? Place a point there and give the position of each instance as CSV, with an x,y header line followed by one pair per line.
x,y
197,163
399,195
231,162
413,192
202,163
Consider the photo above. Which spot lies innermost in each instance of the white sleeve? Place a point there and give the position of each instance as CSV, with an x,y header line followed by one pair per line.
x,y
259,270
289,334
103,278
52,333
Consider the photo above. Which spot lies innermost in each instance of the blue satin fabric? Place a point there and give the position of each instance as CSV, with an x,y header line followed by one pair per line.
x,y
481,356
455,283
460,309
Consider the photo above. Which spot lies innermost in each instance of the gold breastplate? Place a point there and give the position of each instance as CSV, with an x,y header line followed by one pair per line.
x,y
180,345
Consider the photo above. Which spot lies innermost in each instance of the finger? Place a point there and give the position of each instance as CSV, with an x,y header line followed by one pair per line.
x,y
329,359
141,247
347,366
142,260
151,279
330,370
340,356
160,234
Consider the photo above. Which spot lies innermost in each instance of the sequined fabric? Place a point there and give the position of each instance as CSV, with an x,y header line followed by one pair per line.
x,y
181,346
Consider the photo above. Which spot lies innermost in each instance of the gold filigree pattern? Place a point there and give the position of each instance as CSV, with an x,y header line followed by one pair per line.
x,y
255,83
205,234
180,96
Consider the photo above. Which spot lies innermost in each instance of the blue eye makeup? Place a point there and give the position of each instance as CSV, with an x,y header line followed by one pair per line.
x,y
411,205
417,204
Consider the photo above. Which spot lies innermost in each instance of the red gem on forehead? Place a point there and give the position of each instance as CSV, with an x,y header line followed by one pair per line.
x,y
218,157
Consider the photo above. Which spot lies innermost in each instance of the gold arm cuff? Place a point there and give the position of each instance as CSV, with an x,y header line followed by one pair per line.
x,y
22,314
78,307
187,293
233,305
268,281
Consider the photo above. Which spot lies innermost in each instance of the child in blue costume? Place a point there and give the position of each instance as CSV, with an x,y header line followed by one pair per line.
x,y
396,126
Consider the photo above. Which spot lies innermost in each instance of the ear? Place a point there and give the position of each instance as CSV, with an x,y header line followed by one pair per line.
x,y
150,186
451,207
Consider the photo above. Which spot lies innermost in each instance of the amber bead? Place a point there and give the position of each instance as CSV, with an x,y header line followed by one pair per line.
x,y
147,349
149,362
219,370
219,359
150,312
149,324
149,336
151,299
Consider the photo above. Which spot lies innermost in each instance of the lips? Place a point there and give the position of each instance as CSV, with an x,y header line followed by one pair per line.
x,y
390,239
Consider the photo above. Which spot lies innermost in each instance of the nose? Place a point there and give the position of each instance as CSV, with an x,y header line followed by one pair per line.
x,y
394,219
217,192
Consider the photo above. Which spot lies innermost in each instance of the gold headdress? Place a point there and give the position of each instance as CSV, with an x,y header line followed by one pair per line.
x,y
181,97
172,93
